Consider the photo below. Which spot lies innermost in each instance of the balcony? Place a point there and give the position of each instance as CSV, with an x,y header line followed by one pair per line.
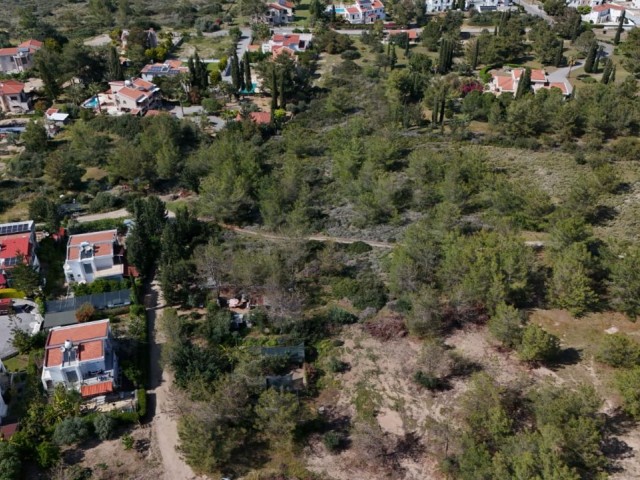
x,y
114,271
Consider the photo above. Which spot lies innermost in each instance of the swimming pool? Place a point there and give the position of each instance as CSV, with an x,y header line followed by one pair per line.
x,y
91,103
340,10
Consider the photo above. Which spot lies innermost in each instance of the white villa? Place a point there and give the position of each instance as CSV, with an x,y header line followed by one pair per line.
x,y
294,42
436,6
279,13
81,357
20,58
507,81
362,11
135,97
91,256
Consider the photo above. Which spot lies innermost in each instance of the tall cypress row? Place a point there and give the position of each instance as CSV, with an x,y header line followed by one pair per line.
x,y
591,57
281,91
247,72
616,39
235,71
274,91
475,54
606,73
559,51
596,64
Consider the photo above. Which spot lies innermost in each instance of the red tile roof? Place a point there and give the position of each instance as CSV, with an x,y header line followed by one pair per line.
x,y
561,85
96,389
102,243
12,245
538,75
31,44
8,52
352,10
262,118
88,336
7,431
10,87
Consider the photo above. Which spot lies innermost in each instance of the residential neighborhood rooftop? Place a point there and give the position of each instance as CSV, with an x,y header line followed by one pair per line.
x,y
87,337
101,244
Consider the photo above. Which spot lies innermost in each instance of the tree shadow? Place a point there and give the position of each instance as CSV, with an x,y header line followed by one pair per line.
x,y
568,356
613,448
603,214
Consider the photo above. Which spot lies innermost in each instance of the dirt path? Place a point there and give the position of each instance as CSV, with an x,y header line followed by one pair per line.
x,y
165,427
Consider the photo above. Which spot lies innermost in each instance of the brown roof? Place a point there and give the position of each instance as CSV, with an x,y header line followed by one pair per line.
x,y
7,431
10,87
88,336
96,389
102,243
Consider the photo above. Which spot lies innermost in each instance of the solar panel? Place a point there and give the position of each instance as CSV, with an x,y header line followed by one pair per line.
x,y
10,229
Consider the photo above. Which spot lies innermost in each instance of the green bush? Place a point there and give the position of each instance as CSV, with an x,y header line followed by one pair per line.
x,y
47,454
359,247
142,402
70,431
334,441
538,345
427,381
618,350
104,426
127,442
339,316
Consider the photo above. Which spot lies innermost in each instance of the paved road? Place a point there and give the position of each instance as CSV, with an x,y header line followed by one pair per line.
x,y
241,48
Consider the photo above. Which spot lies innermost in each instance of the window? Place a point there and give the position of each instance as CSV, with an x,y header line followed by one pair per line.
x,y
72,376
87,268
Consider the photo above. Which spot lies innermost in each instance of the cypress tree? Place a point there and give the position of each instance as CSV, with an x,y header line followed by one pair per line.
x,y
247,73
559,51
591,57
475,54
596,64
575,28
524,85
616,39
274,91
333,14
606,73
434,112
393,59
241,76
114,65
461,5
443,99
612,77
281,90
235,71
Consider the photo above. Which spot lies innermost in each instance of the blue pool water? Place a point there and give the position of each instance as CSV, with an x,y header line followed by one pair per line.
x,y
253,89
339,10
91,103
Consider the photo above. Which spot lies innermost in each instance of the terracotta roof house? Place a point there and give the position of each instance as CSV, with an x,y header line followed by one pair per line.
x,y
134,97
279,13
296,42
261,118
91,256
81,357
13,244
20,58
13,98
362,11
169,68
507,81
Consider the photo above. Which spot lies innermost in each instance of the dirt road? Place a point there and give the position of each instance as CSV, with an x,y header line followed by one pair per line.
x,y
164,424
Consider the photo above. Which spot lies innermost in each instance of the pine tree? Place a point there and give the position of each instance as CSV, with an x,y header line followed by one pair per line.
x,y
281,91
591,57
606,73
248,85
616,39
524,85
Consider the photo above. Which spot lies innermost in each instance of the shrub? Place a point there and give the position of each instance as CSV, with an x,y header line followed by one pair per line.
x,y
127,442
142,402
538,345
85,312
628,382
339,316
47,454
334,441
104,426
506,325
335,365
104,201
70,430
359,247
427,381
350,55
618,350
9,461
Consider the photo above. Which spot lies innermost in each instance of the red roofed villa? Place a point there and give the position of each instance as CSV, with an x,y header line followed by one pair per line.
x,y
20,58
261,118
293,43
507,82
13,97
81,357
91,256
17,238
133,97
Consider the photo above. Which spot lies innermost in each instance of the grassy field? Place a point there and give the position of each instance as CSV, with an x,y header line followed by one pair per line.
x,y
207,47
17,363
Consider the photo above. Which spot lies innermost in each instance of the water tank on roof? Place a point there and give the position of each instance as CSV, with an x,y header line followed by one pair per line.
x,y
68,344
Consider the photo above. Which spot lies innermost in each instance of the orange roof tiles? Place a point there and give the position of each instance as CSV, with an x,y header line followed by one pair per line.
x,y
96,389
102,243
31,44
561,85
88,336
8,52
10,87
12,245
538,75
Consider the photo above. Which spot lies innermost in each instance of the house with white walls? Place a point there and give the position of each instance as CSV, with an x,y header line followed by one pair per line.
x,y
93,256
81,357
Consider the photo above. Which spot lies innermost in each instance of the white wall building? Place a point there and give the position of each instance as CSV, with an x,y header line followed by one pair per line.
x,y
435,6
91,256
81,357
20,58
362,11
